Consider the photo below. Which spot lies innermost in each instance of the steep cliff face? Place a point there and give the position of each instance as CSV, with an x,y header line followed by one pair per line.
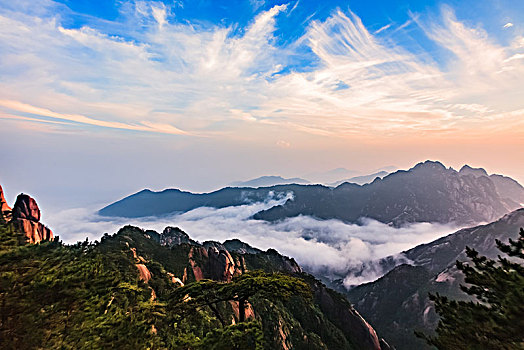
x,y
5,209
25,218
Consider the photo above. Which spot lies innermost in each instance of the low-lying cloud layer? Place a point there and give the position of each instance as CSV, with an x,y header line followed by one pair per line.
x,y
327,248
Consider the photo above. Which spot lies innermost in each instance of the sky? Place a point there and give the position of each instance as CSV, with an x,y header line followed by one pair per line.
x,y
100,99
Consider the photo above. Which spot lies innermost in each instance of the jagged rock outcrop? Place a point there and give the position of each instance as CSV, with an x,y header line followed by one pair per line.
x,y
5,209
352,323
236,245
26,220
172,236
222,267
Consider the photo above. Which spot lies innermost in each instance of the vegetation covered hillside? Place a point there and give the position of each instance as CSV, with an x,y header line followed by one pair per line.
x,y
397,304
144,290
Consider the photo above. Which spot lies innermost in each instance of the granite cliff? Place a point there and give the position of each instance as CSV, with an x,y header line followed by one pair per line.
x,y
24,217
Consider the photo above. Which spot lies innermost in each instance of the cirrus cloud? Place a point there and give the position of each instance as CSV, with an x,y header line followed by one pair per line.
x,y
211,80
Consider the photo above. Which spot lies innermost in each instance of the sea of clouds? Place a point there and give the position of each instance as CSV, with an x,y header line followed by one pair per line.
x,y
328,248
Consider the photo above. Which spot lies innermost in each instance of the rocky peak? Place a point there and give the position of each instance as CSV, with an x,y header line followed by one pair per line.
x,y
236,245
5,209
221,265
172,236
429,165
26,220
467,170
214,244
26,208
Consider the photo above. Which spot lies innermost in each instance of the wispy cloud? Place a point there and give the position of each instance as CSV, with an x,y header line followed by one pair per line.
x,y
17,106
186,78
383,28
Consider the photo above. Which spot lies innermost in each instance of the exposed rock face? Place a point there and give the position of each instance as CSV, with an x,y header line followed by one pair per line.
x,y
26,220
222,267
174,236
352,324
236,245
5,210
26,208
214,260
144,273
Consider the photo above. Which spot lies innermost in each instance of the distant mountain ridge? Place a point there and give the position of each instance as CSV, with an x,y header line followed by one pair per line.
x,y
428,192
324,177
360,180
265,181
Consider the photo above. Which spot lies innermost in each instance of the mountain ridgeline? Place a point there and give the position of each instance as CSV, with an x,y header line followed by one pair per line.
x,y
428,192
264,181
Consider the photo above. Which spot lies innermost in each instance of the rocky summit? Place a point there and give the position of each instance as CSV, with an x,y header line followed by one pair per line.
x,y
5,209
189,261
25,218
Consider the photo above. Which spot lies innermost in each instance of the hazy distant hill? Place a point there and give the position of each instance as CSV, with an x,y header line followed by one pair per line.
x,y
360,180
397,303
428,192
265,181
325,177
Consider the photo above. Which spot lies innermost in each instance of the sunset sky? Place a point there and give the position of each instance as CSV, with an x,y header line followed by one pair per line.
x,y
99,99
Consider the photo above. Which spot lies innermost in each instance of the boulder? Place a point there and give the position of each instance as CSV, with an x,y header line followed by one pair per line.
x,y
26,220
26,208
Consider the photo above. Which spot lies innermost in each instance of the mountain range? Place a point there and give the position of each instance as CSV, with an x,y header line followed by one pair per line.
x,y
273,180
265,181
428,192
360,180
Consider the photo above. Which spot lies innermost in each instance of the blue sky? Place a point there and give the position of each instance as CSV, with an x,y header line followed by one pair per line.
x,y
196,94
